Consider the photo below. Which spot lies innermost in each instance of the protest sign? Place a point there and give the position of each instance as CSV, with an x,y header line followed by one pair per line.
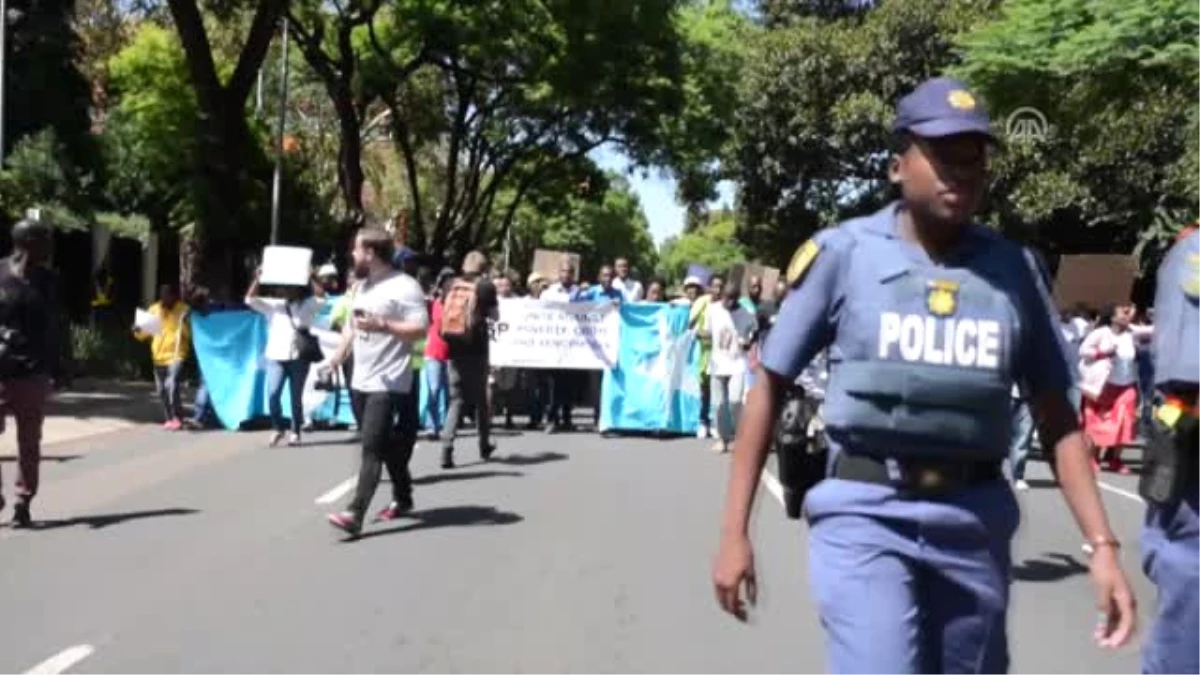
x,y
537,334
546,262
286,266
146,322
1094,280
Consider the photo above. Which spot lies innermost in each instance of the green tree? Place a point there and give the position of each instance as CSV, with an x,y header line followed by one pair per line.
x,y
1117,83
502,94
816,101
712,245
602,224
44,88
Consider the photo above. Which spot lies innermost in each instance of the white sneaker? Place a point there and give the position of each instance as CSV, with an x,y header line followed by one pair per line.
x,y
702,432
720,447
1021,485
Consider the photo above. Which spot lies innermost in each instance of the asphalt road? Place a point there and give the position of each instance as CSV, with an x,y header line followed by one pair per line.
x,y
163,552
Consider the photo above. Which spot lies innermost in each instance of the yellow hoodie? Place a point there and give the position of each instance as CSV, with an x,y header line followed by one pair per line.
x,y
174,341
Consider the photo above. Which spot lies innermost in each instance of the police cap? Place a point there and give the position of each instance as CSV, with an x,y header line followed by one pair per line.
x,y
940,107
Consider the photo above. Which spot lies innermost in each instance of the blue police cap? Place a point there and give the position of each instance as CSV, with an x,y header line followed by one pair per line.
x,y
942,107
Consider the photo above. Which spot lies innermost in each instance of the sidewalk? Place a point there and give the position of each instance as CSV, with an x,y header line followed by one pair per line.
x,y
89,408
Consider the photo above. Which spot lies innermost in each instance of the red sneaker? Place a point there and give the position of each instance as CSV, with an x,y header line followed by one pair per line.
x,y
393,511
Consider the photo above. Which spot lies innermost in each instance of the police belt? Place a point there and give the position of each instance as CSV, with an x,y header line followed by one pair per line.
x,y
925,476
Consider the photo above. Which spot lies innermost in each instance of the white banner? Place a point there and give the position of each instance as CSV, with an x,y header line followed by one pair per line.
x,y
537,334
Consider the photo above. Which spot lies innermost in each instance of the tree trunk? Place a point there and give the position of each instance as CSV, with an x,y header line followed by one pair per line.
x,y
350,172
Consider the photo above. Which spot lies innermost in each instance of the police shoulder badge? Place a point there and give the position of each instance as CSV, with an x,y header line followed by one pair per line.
x,y
801,260
1191,276
961,100
941,298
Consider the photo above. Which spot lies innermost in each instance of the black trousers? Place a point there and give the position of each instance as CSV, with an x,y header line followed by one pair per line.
x,y
563,389
389,432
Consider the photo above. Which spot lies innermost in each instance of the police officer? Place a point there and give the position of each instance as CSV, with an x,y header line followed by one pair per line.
x,y
929,319
1169,542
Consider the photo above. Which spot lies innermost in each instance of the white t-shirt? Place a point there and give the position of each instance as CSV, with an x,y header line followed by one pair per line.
x,y
631,289
382,361
728,329
1124,362
556,292
281,329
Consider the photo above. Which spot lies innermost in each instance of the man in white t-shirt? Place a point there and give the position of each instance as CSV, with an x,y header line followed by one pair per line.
x,y
732,328
631,289
389,316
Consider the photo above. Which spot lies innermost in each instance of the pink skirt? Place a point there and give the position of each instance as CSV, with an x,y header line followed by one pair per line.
x,y
1110,420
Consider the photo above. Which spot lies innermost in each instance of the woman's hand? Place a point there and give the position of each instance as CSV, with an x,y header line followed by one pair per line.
x,y
1117,619
733,569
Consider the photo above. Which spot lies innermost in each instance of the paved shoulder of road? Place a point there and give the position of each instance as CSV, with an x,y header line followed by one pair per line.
x,y
208,552
91,408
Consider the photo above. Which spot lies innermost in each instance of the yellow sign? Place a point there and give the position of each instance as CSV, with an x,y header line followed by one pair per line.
x,y
942,298
801,259
961,100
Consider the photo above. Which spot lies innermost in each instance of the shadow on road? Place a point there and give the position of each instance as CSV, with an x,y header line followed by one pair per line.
x,y
1050,567
104,520
45,458
1042,483
530,460
436,478
450,516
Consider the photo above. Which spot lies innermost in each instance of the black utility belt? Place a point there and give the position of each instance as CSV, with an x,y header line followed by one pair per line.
x,y
922,476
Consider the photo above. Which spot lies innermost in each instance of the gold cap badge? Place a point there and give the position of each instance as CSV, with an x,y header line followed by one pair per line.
x,y
961,100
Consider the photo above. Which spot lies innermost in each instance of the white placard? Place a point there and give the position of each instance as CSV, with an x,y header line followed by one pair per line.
x,y
146,322
537,334
286,266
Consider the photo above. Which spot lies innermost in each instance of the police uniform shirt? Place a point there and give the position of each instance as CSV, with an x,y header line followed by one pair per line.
x,y
1177,317
816,315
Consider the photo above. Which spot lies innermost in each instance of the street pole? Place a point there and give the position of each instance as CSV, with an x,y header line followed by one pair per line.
x,y
276,185
3,66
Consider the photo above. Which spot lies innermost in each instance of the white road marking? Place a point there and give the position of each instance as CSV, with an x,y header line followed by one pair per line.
x,y
772,484
60,662
1118,491
337,492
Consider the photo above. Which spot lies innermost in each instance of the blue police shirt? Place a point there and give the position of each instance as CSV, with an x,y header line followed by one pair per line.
x,y
596,293
1177,316
816,315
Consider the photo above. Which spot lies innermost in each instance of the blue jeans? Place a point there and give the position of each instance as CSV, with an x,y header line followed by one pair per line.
x,y
435,381
201,408
1022,438
295,372
166,381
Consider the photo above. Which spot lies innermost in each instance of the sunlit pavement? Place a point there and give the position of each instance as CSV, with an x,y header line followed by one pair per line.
x,y
210,553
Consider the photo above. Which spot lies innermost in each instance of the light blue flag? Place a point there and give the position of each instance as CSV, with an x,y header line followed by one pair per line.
x,y
229,348
656,385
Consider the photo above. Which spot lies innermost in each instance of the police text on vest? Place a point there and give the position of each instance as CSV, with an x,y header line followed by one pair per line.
x,y
948,342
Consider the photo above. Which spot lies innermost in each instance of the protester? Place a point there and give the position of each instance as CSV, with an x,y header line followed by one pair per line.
x,y
692,288
752,300
732,328
327,279
604,290
287,319
389,316
538,381
655,292
502,382
469,304
169,349
563,382
631,289
697,320
1110,418
437,353
200,304
31,335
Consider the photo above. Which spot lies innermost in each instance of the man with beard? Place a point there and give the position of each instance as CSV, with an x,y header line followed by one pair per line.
x,y
30,339
389,316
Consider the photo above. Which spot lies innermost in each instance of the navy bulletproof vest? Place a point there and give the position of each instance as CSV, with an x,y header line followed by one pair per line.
x,y
923,356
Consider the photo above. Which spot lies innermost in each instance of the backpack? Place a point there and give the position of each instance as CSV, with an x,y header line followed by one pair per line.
x,y
458,310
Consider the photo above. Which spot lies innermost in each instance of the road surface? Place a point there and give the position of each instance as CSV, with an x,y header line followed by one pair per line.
x,y
209,552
